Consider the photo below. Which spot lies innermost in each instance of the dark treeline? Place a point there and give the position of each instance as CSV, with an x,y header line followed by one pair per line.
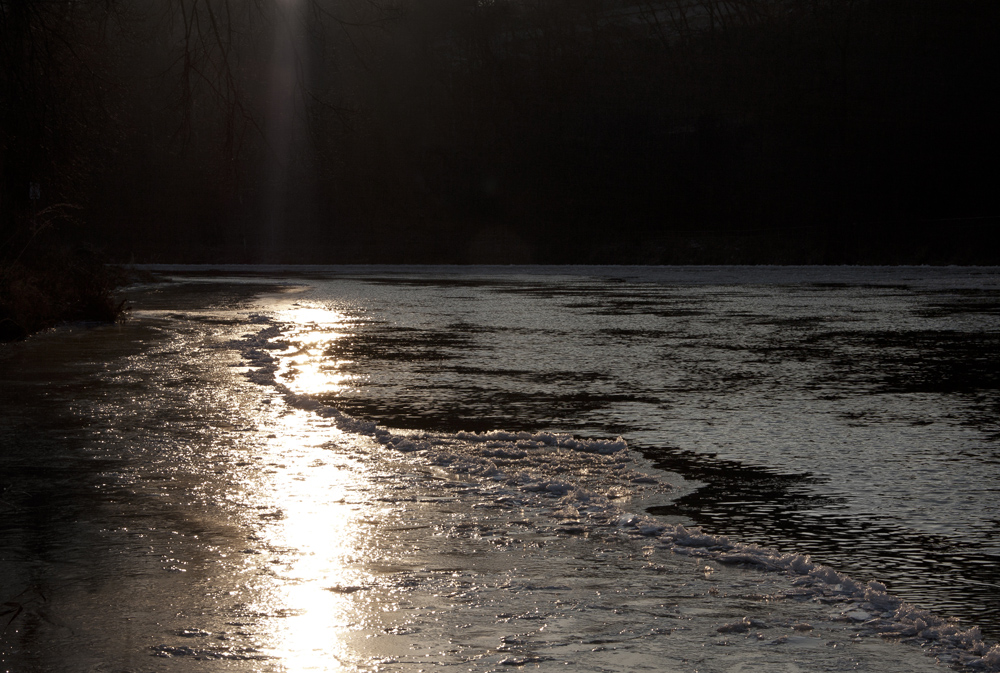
x,y
592,131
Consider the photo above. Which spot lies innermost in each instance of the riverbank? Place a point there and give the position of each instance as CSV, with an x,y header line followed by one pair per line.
x,y
56,286
961,241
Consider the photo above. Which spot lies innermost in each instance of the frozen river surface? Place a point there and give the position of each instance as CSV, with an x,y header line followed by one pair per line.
x,y
484,468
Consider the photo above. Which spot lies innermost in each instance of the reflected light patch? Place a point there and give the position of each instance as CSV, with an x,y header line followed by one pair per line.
x,y
304,367
314,588
317,541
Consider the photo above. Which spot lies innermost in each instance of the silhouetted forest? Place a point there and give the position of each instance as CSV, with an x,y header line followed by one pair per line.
x,y
589,131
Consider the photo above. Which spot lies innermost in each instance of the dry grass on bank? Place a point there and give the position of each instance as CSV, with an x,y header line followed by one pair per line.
x,y
54,287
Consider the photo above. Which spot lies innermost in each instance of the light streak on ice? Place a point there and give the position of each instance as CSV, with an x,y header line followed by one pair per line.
x,y
305,368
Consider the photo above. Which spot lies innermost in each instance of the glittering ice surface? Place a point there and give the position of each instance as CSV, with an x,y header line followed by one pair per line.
x,y
229,481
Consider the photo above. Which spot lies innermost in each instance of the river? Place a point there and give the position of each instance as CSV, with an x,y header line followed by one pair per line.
x,y
602,468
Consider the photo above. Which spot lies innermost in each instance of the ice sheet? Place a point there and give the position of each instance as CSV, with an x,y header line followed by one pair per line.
x,y
585,488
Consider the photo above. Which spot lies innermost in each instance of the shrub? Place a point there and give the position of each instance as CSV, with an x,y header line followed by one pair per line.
x,y
52,286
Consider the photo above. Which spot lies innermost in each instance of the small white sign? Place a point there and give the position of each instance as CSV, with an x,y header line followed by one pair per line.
x,y
34,191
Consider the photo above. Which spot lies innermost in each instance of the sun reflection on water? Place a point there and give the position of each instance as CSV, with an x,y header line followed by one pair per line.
x,y
313,532
304,366
312,512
